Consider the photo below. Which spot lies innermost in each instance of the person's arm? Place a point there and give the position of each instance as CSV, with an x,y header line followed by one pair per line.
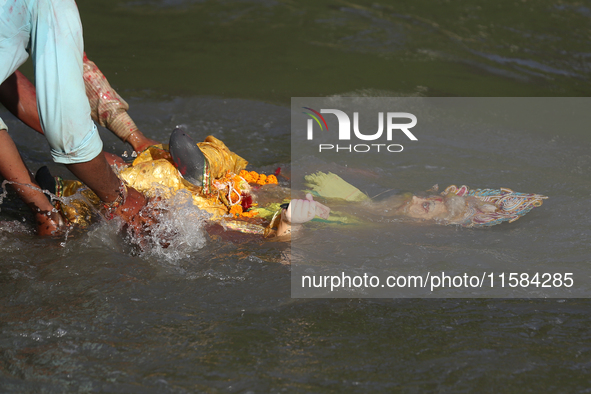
x,y
119,200
109,110
18,95
13,169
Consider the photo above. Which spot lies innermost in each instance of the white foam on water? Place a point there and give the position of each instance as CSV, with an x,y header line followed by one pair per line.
x,y
14,227
179,230
52,198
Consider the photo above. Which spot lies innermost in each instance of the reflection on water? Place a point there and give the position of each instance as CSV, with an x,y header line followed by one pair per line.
x,y
97,316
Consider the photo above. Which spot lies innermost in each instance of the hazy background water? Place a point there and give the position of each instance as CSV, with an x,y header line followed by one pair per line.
x,y
96,316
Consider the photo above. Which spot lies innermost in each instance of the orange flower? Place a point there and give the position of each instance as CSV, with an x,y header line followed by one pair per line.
x,y
234,197
248,176
236,210
249,214
259,179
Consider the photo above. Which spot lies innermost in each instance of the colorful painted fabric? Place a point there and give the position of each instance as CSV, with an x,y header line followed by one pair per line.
x,y
510,205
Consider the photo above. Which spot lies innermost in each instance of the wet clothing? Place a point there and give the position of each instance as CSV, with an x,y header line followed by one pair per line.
x,y
51,32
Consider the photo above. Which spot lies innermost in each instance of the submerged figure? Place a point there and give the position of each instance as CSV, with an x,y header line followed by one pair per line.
x,y
459,206
473,208
254,203
219,185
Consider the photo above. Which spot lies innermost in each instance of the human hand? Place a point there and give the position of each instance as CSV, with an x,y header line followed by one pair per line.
x,y
140,142
142,226
50,223
302,211
135,214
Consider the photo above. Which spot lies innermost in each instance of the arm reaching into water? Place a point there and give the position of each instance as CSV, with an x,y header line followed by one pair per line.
x,y
18,94
59,112
108,109
13,169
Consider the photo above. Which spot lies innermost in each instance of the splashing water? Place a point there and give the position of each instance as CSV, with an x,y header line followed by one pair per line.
x,y
4,193
178,231
14,227
178,227
52,198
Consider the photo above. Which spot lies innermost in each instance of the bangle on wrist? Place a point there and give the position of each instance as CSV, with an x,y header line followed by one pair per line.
x,y
111,207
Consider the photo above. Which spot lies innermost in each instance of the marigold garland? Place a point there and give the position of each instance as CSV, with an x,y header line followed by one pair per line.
x,y
259,179
236,210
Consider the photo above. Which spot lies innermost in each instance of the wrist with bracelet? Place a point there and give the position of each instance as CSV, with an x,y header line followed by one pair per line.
x,y
111,207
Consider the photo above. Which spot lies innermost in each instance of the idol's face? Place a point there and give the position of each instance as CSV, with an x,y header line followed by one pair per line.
x,y
426,208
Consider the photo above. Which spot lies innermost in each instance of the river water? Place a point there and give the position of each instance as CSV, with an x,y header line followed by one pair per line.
x,y
93,314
